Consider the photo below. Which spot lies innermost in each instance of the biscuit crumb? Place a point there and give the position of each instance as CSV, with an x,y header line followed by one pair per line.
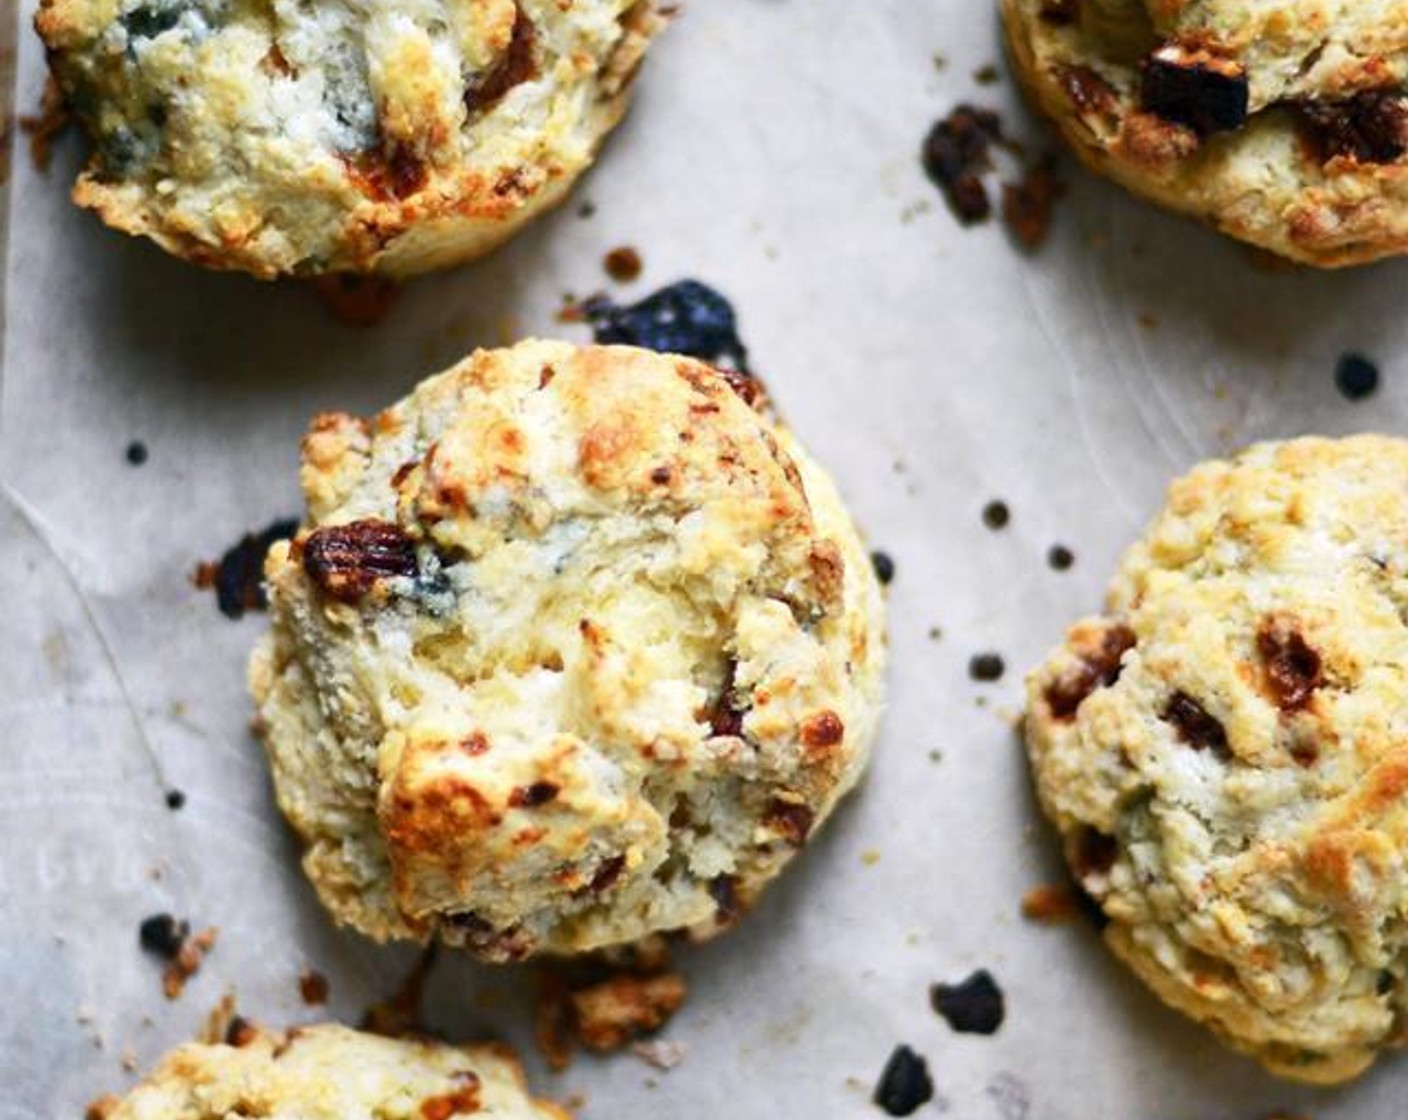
x,y
604,1006
357,301
47,125
313,987
623,264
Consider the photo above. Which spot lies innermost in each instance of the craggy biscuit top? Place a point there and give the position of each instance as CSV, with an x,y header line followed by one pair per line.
x,y
1285,124
1225,752
576,645
331,1073
292,137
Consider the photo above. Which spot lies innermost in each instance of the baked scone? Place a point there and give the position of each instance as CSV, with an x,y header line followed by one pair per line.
x,y
395,136
1225,752
1284,123
575,646
329,1072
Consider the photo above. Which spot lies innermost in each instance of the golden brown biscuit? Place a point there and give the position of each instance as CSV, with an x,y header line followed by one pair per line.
x,y
576,645
329,1072
298,139
1283,124
1225,752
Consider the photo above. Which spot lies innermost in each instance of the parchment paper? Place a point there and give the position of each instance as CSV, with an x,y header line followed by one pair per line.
x,y
772,152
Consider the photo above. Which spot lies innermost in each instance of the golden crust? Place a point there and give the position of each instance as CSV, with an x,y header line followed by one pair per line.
x,y
1225,752
329,1072
310,139
627,657
1329,194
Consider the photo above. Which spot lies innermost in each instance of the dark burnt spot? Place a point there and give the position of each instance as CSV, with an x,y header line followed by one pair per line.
x,y
1356,377
347,561
884,566
748,387
1060,13
1370,127
607,874
725,718
790,820
1304,753
1291,669
996,514
1098,668
728,907
136,453
972,1006
313,987
531,796
1195,726
955,154
1195,86
239,1032
517,65
1087,90
406,172
175,799
238,576
904,1083
1059,558
1093,853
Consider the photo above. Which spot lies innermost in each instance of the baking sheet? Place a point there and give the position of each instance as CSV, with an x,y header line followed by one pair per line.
x,y
772,152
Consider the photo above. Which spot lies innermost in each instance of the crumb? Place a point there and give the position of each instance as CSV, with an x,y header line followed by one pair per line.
x,y
1027,204
101,1108
996,515
238,576
587,209
358,301
45,126
940,62
128,1059
187,962
313,987
602,1005
936,756
661,1054
611,1013
956,153
623,264
870,857
986,75
936,633
136,453
175,799
1050,904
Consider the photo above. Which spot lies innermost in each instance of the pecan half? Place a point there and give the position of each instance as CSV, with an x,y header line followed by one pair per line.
x,y
346,561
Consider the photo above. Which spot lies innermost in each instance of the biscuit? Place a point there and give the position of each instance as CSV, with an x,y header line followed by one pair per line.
x,y
300,139
1225,752
575,646
329,1072
1284,125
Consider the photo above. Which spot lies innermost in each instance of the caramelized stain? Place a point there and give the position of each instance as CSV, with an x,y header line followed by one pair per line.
x,y
518,64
